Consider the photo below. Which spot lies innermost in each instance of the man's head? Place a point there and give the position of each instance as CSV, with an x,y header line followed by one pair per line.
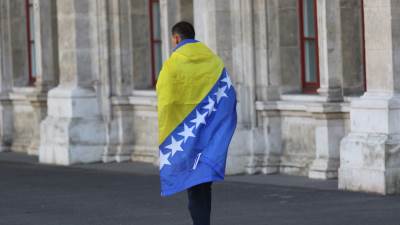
x,y
181,31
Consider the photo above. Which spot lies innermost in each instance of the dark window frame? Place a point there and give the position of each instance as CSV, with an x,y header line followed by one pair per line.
x,y
30,42
153,42
308,87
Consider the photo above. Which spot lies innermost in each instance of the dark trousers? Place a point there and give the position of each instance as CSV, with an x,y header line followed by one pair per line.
x,y
200,203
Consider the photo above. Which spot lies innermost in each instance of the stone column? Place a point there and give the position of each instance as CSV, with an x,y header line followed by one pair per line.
x,y
214,27
370,154
227,28
329,130
171,12
243,68
6,79
329,125
330,49
121,57
45,33
266,44
267,86
352,47
212,22
45,23
19,42
74,130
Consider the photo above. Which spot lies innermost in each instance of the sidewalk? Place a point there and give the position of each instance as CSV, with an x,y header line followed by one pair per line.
x,y
128,194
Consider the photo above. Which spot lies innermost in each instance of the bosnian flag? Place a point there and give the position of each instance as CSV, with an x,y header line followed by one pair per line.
x,y
196,117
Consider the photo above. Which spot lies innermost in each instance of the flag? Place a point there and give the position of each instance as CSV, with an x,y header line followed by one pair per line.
x,y
196,117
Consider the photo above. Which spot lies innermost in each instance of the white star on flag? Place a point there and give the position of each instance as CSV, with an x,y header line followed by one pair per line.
x,y
221,93
187,132
164,159
200,119
175,146
228,81
210,106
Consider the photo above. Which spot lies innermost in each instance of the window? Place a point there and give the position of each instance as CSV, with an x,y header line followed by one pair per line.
x,y
30,27
309,45
155,39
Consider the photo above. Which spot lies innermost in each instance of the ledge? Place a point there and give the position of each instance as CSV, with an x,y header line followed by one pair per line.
x,y
305,103
144,93
143,97
27,94
304,98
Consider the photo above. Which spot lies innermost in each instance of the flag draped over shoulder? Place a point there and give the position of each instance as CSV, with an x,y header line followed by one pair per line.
x,y
196,117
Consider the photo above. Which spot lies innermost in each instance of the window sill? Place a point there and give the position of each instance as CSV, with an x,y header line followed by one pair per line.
x,y
304,98
312,103
144,97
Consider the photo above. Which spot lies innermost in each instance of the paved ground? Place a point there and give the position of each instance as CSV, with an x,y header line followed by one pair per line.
x,y
127,194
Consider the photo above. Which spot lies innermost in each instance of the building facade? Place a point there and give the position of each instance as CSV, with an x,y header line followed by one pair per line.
x,y
318,82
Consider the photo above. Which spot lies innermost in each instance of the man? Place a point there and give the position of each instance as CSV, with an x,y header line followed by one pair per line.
x,y
197,119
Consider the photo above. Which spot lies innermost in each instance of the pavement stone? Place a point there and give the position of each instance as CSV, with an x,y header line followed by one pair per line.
x,y
128,194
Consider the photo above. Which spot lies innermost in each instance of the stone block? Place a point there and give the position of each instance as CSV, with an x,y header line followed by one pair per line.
x,y
73,132
369,155
363,164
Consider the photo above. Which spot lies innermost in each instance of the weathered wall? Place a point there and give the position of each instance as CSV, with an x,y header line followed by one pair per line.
x,y
145,127
298,142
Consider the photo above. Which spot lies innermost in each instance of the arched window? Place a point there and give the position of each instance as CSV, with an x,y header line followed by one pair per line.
x,y
155,39
309,45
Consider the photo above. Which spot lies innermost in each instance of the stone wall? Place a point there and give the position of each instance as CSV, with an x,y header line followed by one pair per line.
x,y
140,24
94,99
289,46
353,65
144,127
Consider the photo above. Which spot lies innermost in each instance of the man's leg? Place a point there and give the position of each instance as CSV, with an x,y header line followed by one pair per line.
x,y
200,203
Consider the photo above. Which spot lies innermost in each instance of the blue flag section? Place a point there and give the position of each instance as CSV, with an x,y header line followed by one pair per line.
x,y
196,150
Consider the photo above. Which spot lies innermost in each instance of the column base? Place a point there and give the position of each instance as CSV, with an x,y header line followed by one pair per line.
x,y
268,164
118,153
5,148
370,163
324,169
6,123
332,94
271,164
383,182
120,132
370,154
73,132
148,154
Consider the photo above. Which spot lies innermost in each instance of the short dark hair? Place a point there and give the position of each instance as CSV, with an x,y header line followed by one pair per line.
x,y
184,29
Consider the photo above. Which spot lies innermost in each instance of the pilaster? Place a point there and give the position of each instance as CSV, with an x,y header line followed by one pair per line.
x,y
330,49
370,156
120,144
267,86
74,130
329,130
6,77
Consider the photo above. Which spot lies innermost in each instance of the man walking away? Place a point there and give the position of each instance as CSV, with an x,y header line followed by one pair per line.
x,y
196,118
